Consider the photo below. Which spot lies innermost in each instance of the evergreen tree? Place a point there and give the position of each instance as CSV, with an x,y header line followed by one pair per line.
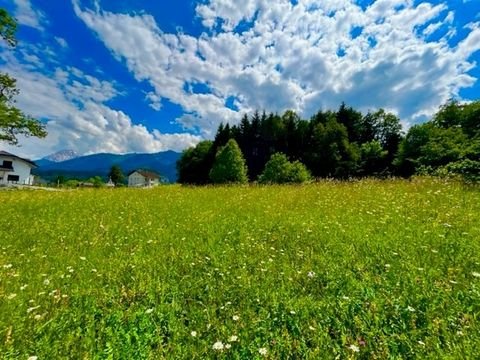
x,y
116,175
229,165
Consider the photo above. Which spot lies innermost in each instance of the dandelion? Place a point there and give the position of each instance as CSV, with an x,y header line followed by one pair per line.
x,y
476,274
354,348
218,346
235,317
193,333
233,338
149,311
263,351
311,274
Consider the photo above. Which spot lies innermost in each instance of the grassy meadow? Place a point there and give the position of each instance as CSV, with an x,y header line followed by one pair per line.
x,y
360,270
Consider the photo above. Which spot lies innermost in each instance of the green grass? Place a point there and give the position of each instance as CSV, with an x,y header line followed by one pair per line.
x,y
391,267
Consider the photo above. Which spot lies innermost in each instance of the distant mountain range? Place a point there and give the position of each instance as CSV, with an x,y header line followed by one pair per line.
x,y
62,155
83,167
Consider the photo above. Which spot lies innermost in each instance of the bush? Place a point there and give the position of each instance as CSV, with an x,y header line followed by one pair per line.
x,y
279,170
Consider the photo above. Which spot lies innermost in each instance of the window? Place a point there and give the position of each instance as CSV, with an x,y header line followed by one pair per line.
x,y
7,164
13,178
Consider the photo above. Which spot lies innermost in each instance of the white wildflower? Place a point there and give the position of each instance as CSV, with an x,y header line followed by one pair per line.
x,y
354,348
263,351
46,282
37,317
218,346
235,317
311,274
228,346
193,333
23,287
11,296
421,343
311,328
83,258
411,309
387,265
292,312
476,274
32,358
149,311
233,338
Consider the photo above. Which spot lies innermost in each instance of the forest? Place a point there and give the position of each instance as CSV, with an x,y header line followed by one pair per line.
x,y
346,144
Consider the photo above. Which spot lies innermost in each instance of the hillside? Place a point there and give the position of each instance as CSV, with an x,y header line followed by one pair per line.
x,y
99,164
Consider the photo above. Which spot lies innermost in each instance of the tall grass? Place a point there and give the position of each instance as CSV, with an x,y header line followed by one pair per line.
x,y
331,270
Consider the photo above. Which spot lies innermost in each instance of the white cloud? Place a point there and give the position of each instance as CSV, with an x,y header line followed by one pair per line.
x,y
288,57
27,15
73,103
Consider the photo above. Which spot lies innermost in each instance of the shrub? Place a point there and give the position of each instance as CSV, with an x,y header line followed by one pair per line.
x,y
279,170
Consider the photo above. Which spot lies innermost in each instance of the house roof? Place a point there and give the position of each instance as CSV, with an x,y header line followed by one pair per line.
x,y
146,174
5,153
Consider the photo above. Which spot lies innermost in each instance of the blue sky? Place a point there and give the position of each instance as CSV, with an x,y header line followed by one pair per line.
x,y
145,76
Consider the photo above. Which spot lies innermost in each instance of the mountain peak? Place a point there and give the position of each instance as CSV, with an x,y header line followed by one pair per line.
x,y
62,155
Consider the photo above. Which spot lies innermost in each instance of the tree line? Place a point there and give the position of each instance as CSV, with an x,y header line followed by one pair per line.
x,y
339,144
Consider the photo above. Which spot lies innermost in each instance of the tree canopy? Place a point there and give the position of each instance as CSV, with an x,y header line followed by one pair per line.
x,y
345,143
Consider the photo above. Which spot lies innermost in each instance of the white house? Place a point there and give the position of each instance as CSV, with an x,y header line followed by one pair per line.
x,y
143,178
15,170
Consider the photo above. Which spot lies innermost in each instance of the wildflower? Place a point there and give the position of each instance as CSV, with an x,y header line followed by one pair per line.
x,y
37,317
235,317
233,338
149,311
46,282
32,358
7,266
228,346
421,343
311,274
311,328
83,258
11,296
411,309
193,333
292,312
23,287
30,309
354,348
387,265
263,351
218,346
476,274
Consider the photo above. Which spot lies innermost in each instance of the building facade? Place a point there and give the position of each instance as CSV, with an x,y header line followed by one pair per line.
x,y
15,170
143,178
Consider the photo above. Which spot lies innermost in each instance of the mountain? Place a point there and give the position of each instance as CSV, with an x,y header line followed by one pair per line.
x,y
82,167
62,155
